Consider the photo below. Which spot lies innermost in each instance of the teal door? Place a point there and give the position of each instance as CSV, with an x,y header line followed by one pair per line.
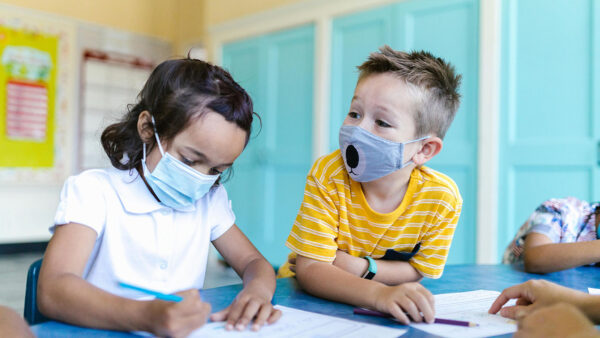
x,y
267,185
449,29
550,106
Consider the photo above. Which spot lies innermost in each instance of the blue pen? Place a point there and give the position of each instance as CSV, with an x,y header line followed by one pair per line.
x,y
159,295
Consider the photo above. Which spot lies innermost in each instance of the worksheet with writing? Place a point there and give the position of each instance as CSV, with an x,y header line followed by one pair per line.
x,y
471,306
298,323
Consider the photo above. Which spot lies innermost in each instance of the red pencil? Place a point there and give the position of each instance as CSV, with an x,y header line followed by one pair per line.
x,y
367,312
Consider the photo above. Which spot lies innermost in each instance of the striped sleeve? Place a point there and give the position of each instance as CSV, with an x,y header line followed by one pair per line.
x,y
435,243
315,229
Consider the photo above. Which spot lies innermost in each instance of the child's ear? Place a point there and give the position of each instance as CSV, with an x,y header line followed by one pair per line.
x,y
431,147
144,126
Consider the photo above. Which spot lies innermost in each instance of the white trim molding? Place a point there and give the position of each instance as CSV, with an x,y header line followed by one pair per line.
x,y
488,147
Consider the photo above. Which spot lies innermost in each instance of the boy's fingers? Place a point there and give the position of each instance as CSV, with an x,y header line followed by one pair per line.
x,y
292,260
424,306
397,312
409,307
262,316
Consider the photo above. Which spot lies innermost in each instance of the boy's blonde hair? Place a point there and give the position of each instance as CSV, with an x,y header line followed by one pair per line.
x,y
434,82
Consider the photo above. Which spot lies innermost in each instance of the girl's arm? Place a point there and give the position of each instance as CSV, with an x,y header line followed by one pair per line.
x,y
543,256
254,301
330,282
64,295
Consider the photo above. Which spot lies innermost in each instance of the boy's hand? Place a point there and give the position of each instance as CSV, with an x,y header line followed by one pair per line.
x,y
252,303
170,319
531,295
408,298
559,320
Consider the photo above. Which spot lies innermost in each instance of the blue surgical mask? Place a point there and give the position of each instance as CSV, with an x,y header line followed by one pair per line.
x,y
176,184
368,157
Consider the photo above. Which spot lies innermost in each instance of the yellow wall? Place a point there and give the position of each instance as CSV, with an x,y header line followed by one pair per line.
x,y
181,22
219,11
154,18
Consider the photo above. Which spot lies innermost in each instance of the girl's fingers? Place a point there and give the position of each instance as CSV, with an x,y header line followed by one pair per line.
x,y
275,315
262,316
250,311
221,315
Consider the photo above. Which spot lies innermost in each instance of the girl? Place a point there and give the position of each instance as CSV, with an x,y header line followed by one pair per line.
x,y
560,234
149,220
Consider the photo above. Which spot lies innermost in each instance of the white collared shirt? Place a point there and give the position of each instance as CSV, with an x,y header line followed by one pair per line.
x,y
141,241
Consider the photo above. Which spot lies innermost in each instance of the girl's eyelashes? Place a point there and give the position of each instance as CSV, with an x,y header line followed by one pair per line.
x,y
186,161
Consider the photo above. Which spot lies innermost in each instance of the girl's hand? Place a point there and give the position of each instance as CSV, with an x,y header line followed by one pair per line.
x,y
171,319
408,298
252,303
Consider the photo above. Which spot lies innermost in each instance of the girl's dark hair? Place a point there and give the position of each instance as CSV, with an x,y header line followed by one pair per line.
x,y
176,91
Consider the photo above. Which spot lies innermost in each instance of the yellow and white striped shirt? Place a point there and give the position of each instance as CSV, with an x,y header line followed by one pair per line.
x,y
335,215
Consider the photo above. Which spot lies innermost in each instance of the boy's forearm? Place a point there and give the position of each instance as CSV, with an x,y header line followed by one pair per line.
x,y
327,281
388,272
560,256
396,272
71,299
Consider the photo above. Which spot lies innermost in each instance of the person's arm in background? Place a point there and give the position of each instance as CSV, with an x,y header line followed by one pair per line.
x,y
12,325
542,255
535,294
558,320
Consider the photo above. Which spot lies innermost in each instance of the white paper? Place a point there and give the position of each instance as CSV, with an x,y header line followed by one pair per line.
x,y
298,323
593,291
471,306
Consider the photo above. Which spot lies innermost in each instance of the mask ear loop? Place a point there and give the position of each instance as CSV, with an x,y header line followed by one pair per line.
x,y
409,142
157,141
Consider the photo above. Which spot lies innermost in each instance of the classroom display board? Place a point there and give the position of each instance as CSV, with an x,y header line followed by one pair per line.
x,y
27,92
36,86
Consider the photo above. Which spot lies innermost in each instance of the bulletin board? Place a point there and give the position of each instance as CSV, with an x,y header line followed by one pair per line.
x,y
27,96
37,59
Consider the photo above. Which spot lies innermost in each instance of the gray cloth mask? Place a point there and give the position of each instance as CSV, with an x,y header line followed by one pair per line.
x,y
368,157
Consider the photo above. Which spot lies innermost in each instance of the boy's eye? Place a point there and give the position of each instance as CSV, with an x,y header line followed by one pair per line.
x,y
382,124
354,115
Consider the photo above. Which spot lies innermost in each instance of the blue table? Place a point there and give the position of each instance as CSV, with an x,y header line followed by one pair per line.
x,y
456,278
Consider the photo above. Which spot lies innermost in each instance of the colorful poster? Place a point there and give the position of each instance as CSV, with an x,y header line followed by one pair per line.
x,y
28,69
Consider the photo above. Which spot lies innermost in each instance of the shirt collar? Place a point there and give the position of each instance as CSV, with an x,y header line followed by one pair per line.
x,y
134,194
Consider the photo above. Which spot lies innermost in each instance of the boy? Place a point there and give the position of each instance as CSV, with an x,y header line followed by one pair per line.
x,y
373,219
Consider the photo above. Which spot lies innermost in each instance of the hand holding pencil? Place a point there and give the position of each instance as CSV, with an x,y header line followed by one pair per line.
x,y
172,315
